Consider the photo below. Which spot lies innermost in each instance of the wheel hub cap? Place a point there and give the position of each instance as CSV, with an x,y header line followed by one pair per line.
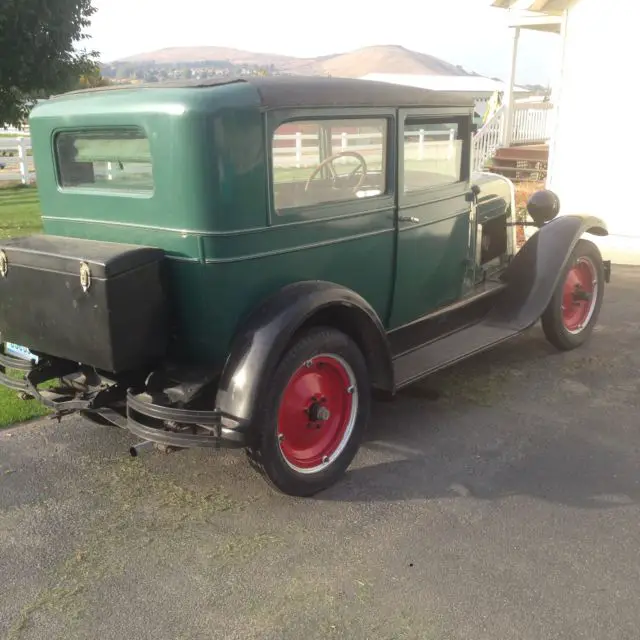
x,y
317,413
579,295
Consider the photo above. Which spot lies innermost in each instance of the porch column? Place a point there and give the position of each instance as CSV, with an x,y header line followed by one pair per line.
x,y
508,101
556,100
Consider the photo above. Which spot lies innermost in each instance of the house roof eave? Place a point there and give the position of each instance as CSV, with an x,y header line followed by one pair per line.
x,y
542,6
548,23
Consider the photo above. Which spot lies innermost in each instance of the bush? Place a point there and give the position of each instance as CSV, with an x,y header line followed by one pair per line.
x,y
524,190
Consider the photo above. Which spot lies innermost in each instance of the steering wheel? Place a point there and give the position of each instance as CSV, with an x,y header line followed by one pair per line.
x,y
362,165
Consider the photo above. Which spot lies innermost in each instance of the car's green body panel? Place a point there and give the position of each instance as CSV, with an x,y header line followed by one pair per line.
x,y
195,188
216,280
211,212
431,257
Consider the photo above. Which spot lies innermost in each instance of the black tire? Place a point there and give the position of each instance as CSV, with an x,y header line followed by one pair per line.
x,y
561,333
318,352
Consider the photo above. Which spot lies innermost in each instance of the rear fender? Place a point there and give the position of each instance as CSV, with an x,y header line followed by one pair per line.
x,y
536,269
263,339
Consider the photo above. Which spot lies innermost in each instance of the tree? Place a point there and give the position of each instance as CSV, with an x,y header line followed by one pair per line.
x,y
91,78
38,40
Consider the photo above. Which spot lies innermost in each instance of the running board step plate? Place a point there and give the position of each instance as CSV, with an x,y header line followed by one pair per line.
x,y
429,358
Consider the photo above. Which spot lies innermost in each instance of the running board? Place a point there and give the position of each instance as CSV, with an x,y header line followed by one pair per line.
x,y
429,358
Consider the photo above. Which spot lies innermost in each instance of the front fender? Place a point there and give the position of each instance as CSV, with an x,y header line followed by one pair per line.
x,y
535,271
261,341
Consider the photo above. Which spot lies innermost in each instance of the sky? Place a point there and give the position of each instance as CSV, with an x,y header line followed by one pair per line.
x,y
466,32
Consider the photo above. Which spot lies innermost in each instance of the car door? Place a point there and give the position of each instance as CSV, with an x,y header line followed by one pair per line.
x,y
434,211
333,220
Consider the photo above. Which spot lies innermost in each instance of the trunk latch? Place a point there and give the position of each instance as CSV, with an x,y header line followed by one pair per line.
x,y
85,276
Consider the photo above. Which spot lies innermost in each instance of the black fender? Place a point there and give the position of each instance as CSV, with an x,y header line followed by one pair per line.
x,y
535,271
262,340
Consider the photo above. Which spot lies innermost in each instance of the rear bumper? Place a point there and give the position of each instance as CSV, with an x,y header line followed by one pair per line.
x,y
159,423
141,414
18,365
28,383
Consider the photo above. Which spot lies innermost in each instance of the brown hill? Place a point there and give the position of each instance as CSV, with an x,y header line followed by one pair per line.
x,y
381,59
172,55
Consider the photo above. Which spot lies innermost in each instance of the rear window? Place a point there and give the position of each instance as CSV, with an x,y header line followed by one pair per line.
x,y
106,160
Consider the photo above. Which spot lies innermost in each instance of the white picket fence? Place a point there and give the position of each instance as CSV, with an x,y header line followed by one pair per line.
x,y
298,150
15,161
24,132
530,124
302,149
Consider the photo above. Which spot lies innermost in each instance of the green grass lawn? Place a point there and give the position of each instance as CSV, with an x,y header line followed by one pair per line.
x,y
19,211
19,216
14,410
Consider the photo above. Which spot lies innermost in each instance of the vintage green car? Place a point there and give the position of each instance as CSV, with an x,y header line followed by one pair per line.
x,y
247,262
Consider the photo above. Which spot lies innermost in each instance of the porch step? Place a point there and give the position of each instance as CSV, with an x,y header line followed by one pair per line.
x,y
521,163
510,170
532,153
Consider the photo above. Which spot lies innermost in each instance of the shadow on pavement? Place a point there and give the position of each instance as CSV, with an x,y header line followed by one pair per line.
x,y
487,429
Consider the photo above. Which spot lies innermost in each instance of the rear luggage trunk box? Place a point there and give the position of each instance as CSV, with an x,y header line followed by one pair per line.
x,y
101,304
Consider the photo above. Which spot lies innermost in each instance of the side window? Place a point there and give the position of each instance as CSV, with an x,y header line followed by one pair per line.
x,y
432,154
320,161
105,159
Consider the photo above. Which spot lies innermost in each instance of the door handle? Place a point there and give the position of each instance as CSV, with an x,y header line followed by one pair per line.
x,y
408,219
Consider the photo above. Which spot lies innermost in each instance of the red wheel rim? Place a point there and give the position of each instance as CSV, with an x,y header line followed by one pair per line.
x,y
317,413
579,295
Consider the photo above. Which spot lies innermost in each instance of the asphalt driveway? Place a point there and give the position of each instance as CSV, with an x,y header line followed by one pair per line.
x,y
496,501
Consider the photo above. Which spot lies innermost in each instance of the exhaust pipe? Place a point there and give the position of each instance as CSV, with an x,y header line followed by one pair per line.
x,y
147,445
141,447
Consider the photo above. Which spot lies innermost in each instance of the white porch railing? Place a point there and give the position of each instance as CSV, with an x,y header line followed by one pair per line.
x,y
531,122
487,140
531,125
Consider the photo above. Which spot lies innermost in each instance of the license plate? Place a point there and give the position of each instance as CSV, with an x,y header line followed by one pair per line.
x,y
19,351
